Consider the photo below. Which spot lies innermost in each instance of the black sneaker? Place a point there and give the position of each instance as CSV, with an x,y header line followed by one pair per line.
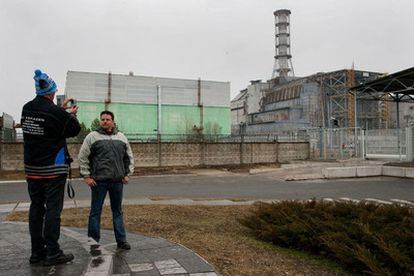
x,y
60,259
37,257
124,245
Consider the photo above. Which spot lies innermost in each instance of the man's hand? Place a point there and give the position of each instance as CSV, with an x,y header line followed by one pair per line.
x,y
90,181
125,180
72,109
65,103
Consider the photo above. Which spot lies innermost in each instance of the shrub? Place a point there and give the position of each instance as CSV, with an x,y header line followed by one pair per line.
x,y
366,238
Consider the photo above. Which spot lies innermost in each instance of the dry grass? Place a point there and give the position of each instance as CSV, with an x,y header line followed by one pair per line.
x,y
12,175
211,231
141,171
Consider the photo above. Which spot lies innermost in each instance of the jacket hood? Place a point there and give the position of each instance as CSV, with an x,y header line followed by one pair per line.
x,y
102,131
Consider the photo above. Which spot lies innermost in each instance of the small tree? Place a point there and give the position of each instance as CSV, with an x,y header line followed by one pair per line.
x,y
83,132
95,124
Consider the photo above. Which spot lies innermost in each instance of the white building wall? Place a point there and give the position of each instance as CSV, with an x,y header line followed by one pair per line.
x,y
238,112
254,94
87,86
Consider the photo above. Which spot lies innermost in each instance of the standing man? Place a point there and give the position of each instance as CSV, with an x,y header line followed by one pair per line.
x,y
45,129
106,162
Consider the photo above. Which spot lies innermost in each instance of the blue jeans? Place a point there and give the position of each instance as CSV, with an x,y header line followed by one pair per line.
x,y
98,196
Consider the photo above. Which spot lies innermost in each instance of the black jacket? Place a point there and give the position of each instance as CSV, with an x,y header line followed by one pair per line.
x,y
45,129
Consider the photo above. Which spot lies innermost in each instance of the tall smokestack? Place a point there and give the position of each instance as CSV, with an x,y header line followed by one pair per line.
x,y
283,59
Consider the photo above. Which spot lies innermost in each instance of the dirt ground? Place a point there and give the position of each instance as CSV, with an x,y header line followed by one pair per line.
x,y
12,175
214,233
139,171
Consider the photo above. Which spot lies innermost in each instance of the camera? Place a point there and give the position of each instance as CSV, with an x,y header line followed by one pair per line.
x,y
72,102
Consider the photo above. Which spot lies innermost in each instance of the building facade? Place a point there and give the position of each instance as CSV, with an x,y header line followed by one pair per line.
x,y
321,100
147,106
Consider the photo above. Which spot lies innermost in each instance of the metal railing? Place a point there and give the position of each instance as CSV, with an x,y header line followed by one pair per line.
x,y
215,138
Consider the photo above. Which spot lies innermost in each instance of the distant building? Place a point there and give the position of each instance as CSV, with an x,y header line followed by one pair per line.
x,y
287,104
7,130
319,100
145,106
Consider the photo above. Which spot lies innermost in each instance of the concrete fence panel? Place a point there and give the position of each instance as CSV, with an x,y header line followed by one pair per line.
x,y
222,153
12,156
183,154
293,151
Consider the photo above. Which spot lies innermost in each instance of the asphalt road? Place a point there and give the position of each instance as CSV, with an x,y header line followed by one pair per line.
x,y
262,186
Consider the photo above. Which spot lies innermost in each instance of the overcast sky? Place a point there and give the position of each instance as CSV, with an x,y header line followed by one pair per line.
x,y
222,40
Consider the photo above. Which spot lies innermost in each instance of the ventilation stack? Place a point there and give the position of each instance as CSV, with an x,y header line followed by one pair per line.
x,y
283,58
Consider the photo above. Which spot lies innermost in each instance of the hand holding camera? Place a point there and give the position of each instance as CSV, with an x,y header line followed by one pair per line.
x,y
70,105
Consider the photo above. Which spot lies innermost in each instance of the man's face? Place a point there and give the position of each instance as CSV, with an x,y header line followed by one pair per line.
x,y
106,122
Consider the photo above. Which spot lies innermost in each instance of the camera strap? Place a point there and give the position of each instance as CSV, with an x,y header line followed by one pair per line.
x,y
70,190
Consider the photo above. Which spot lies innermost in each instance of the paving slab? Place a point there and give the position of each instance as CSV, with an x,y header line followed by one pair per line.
x,y
148,255
15,253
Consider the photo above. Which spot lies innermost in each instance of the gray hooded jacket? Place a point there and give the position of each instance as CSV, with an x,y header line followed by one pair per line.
x,y
106,157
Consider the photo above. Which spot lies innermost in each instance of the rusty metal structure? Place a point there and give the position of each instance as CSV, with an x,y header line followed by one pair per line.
x,y
340,104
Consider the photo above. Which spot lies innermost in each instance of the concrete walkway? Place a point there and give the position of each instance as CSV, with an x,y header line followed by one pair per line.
x,y
148,256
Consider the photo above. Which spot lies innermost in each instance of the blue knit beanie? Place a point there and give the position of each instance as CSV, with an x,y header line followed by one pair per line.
x,y
43,83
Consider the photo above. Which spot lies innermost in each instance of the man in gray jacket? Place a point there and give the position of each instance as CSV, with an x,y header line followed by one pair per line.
x,y
106,162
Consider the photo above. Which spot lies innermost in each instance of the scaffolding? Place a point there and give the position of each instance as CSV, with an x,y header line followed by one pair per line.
x,y
384,112
340,104
350,82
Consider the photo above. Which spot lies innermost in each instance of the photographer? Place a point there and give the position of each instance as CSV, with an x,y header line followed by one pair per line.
x,y
45,129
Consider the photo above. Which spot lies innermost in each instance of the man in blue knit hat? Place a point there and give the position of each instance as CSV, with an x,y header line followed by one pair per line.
x,y
45,129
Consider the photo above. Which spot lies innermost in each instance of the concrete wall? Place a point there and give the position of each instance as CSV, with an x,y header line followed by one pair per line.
x,y
183,154
293,151
11,156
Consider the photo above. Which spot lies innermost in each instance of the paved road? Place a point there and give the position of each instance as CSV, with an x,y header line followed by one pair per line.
x,y
262,186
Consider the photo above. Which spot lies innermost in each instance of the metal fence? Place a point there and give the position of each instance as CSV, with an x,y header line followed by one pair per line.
x,y
345,143
211,138
386,143
335,143
410,143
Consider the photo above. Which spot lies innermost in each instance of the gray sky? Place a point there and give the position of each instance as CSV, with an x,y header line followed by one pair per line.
x,y
223,40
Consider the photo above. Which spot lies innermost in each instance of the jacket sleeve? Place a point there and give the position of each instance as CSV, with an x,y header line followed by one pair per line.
x,y
128,159
71,127
85,151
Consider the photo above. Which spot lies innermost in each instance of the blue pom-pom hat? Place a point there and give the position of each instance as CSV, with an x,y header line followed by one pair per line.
x,y
43,83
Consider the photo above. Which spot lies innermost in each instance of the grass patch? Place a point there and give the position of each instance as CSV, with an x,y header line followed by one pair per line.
x,y
213,232
365,238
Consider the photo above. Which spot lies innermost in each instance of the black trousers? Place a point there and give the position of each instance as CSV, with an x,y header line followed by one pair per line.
x,y
44,216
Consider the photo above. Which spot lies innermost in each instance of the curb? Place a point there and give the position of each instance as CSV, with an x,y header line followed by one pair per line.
x,y
355,172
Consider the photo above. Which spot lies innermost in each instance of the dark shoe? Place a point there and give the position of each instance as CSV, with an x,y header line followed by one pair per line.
x,y
60,259
37,257
124,245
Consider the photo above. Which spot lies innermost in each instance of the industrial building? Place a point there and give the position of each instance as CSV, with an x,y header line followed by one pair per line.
x,y
148,106
289,104
7,128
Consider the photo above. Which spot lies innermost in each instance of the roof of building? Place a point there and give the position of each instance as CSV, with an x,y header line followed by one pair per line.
x,y
398,86
241,95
